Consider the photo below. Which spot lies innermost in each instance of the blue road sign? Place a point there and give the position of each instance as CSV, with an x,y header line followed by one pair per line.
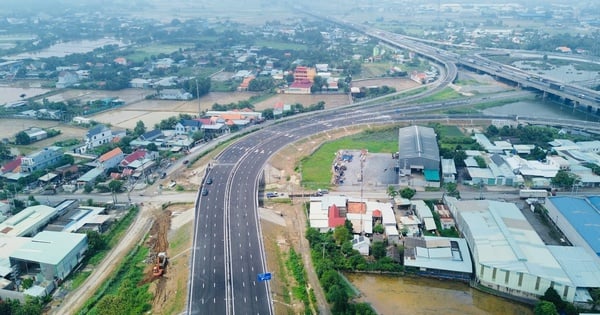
x,y
263,276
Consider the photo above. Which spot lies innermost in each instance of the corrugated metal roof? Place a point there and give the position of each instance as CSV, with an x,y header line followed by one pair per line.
x,y
583,214
49,247
582,268
418,141
504,239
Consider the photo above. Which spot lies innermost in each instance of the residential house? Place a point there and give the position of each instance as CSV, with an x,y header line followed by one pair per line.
x,y
299,87
12,166
97,136
187,126
139,83
245,83
66,79
110,159
418,77
36,134
174,94
42,159
361,244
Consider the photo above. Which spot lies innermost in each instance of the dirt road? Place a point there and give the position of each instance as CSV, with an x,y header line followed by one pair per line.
x,y
76,299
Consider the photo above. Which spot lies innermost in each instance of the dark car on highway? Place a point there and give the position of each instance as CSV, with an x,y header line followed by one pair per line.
x,y
204,192
209,181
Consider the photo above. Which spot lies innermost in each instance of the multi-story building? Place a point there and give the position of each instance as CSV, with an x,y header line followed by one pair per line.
x,y
98,136
40,160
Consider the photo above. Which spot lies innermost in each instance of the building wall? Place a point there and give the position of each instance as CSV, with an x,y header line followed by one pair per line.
x,y
99,139
40,160
65,266
519,284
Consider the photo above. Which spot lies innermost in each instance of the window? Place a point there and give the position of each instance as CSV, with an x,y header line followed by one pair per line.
x,y
520,278
537,283
565,292
494,274
506,276
481,271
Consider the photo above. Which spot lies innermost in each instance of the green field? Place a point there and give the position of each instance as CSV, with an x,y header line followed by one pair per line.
x,y
373,70
450,131
445,94
316,168
146,52
279,45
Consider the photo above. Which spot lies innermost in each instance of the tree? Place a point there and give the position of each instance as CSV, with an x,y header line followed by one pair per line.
x,y
140,128
553,297
88,188
378,250
198,135
564,179
95,241
459,157
407,193
341,234
348,225
391,191
378,228
338,296
115,186
152,147
22,138
545,308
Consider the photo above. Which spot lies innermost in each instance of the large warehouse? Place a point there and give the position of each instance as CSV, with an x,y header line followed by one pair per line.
x,y
511,258
579,219
418,150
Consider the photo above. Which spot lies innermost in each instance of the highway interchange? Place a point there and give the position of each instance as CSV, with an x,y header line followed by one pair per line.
x,y
228,253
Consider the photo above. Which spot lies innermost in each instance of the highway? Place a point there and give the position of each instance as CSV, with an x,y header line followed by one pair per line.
x,y
228,253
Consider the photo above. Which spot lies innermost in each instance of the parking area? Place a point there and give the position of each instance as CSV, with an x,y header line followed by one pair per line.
x,y
372,171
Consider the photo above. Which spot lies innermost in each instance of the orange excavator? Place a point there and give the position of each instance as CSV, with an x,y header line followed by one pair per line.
x,y
161,264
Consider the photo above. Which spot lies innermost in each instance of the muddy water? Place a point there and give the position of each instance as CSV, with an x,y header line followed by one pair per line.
x,y
424,296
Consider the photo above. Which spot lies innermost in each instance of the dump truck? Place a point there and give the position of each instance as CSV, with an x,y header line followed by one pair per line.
x,y
161,264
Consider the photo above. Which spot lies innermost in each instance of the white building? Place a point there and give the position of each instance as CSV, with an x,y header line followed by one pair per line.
x,y
508,255
27,222
361,244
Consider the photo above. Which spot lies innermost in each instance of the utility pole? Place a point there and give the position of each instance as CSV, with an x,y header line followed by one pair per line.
x,y
198,96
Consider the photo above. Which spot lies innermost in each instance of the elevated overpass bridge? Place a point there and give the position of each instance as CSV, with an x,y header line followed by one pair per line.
x,y
581,98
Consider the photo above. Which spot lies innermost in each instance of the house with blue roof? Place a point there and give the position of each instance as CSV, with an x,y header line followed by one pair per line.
x,y
187,126
97,136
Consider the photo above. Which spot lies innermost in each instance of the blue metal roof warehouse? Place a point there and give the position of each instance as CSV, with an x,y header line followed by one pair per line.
x,y
578,218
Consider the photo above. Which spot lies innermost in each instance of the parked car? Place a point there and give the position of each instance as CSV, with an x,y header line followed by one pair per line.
x,y
271,194
186,162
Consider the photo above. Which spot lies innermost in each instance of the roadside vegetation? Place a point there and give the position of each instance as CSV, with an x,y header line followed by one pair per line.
x,y
316,168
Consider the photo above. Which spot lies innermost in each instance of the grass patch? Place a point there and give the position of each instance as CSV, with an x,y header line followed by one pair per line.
x,y
450,131
122,293
79,279
445,94
316,169
279,45
222,86
372,70
146,52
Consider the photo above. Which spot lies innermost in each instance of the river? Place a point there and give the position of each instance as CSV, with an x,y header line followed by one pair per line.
x,y
391,295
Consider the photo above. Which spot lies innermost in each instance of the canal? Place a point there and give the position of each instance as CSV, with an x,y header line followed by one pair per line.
x,y
408,295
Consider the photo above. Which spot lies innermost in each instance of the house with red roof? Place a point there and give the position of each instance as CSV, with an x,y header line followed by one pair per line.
x,y
245,83
12,166
334,217
299,87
